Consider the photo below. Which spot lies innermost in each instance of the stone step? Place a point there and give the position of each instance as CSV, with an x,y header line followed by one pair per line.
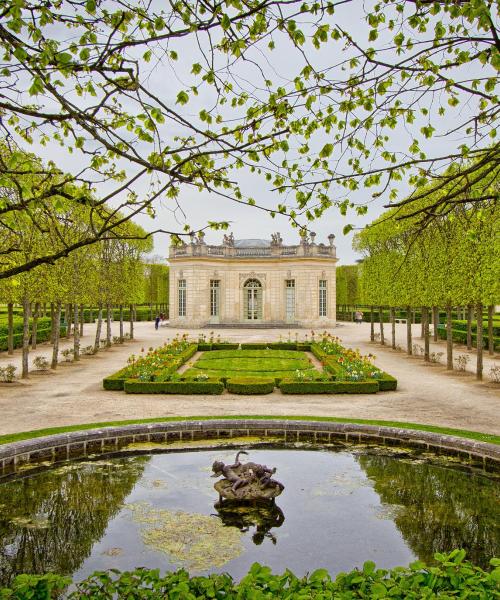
x,y
250,325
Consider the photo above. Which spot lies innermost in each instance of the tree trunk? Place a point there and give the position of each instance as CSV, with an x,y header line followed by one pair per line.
x,y
469,327
435,319
150,311
372,325
425,321
479,341
409,348
121,323
34,330
52,323
26,337
491,345
381,318
76,333
449,339
131,317
393,329
67,319
108,325
422,324
81,320
91,314
56,332
98,328
10,333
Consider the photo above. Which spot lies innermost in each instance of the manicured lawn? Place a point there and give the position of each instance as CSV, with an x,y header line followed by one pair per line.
x,y
252,363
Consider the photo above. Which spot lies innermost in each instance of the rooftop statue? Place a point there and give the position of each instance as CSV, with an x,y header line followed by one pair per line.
x,y
246,481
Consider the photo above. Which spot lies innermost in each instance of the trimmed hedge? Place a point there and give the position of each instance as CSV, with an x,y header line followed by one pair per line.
x,y
254,346
203,347
133,386
289,386
250,385
115,382
387,383
460,337
42,335
461,325
225,346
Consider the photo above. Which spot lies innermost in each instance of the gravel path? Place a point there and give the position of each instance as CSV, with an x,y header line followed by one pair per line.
x,y
426,393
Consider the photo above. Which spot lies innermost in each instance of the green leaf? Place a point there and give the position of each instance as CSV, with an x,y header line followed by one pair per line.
x,y
182,98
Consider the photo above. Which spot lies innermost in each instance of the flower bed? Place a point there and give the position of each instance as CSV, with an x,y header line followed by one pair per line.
x,y
348,365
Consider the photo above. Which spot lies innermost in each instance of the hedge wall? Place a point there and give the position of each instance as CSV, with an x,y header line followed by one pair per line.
x,y
387,383
250,385
212,387
42,334
460,337
290,386
461,325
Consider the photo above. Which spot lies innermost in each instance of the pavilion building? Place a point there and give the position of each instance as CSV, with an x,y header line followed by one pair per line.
x,y
253,282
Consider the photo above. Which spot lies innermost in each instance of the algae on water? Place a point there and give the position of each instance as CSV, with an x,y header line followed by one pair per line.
x,y
191,540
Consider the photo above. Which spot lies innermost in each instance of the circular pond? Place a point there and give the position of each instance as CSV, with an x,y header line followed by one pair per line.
x,y
340,507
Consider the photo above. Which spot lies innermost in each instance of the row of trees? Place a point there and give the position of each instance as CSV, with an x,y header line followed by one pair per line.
x,y
453,262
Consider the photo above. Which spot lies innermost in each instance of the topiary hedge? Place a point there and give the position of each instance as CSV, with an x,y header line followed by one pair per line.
x,y
387,383
451,577
290,386
254,346
210,386
460,337
250,385
116,381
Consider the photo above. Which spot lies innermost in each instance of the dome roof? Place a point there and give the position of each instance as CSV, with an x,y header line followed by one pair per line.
x,y
252,243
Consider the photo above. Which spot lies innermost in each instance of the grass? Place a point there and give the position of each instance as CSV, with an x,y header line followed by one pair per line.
x,y
464,433
251,363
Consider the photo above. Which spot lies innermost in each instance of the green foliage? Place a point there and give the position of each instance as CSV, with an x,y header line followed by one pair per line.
x,y
451,577
347,285
459,336
289,386
208,387
249,385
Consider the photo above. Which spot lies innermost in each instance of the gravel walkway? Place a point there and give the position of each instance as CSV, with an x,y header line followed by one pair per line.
x,y
426,393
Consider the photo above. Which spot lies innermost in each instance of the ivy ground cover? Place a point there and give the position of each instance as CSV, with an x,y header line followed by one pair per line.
x,y
275,364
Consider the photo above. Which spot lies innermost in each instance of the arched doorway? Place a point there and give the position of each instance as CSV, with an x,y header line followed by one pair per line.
x,y
252,300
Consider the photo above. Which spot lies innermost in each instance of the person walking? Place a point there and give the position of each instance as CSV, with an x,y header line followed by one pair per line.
x,y
157,321
358,317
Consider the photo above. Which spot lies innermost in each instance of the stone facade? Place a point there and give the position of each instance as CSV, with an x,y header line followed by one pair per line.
x,y
253,282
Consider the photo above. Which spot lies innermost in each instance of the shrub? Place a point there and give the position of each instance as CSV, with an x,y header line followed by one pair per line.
x,y
290,386
451,577
254,346
8,373
204,347
461,361
387,383
68,354
495,373
282,345
250,385
132,386
116,381
41,363
224,346
304,346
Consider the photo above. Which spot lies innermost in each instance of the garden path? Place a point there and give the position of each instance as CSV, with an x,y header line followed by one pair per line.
x,y
73,394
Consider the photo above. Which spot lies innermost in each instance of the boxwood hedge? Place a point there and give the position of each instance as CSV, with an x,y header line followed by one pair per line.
x,y
250,385
290,386
210,386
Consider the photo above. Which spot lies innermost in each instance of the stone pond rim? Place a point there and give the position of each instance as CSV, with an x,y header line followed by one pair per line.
x,y
42,452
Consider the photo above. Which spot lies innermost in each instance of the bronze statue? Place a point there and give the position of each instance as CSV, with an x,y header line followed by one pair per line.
x,y
246,481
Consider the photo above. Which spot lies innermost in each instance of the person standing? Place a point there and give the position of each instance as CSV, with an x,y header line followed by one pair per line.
x,y
157,321
358,317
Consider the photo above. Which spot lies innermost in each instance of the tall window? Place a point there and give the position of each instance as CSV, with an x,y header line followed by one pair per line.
x,y
182,297
214,297
290,299
322,297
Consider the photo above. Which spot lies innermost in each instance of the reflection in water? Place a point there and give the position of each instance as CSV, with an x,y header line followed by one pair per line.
x,y
342,507
438,509
264,516
50,522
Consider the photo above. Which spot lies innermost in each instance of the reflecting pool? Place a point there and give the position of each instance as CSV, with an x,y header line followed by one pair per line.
x,y
339,508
